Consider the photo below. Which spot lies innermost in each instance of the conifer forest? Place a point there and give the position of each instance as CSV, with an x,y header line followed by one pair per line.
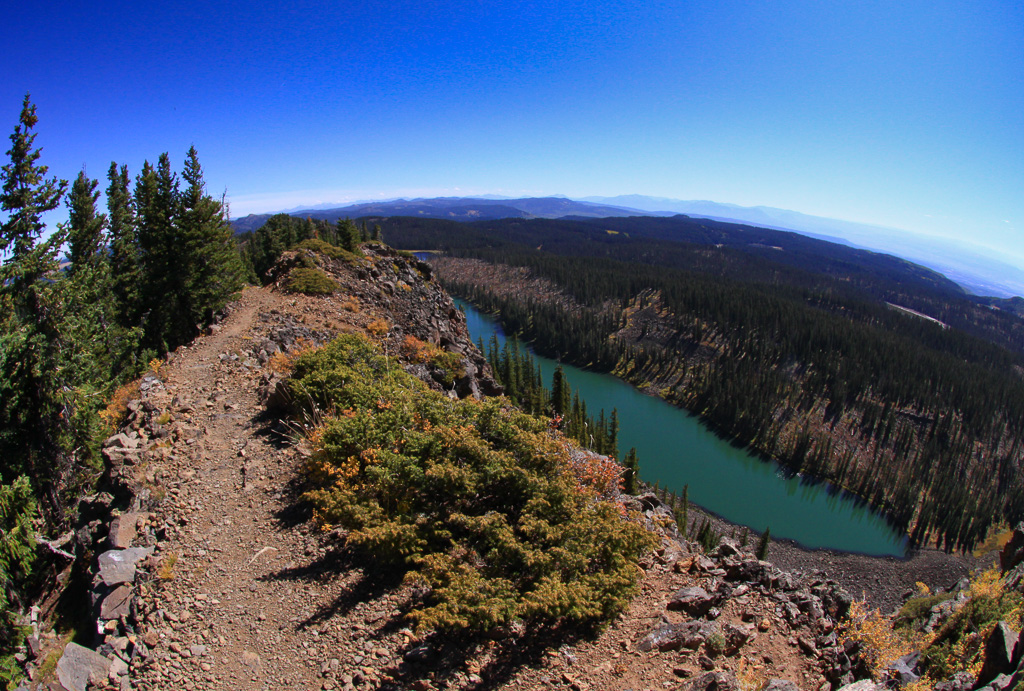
x,y
799,354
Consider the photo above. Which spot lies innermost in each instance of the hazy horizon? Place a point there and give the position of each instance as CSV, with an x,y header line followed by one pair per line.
x,y
907,116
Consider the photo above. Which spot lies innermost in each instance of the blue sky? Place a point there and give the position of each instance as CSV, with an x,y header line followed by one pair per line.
x,y
908,114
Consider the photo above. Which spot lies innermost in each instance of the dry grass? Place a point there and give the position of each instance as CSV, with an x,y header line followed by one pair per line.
x,y
165,572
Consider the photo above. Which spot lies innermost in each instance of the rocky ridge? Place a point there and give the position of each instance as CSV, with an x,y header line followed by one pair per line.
x,y
206,573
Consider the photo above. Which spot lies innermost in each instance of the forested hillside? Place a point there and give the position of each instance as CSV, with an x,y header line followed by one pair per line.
x,y
140,280
800,358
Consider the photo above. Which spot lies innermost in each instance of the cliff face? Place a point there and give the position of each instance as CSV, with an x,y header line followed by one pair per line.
x,y
396,297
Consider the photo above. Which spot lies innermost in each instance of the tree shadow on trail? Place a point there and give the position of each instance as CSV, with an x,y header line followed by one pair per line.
x,y
372,583
447,657
480,661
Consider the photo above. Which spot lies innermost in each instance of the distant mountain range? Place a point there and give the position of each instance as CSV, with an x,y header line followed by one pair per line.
x,y
966,264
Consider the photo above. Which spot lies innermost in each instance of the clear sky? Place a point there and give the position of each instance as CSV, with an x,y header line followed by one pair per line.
x,y
907,114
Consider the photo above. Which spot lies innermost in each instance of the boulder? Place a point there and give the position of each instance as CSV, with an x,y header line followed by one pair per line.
x,y
120,441
863,685
117,566
666,637
712,681
79,666
961,681
123,530
905,668
998,653
780,685
1013,553
117,604
694,600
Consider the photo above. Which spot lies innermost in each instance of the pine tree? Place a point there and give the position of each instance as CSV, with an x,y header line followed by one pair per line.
x,y
85,227
685,513
348,235
163,260
93,317
560,392
26,194
124,246
613,434
36,437
762,546
214,266
631,476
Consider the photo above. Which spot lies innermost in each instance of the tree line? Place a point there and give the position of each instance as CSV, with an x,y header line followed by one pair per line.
x,y
515,368
136,282
261,248
924,422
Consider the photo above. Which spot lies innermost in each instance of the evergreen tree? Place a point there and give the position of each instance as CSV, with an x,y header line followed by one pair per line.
x,y
123,257
37,405
348,235
613,434
163,260
214,268
85,227
560,393
685,517
26,194
762,546
32,420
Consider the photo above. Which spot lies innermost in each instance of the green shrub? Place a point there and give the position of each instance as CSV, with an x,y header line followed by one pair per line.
x,y
916,610
310,282
959,643
715,643
476,500
327,249
428,353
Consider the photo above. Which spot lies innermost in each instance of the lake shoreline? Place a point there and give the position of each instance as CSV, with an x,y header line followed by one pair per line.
x,y
749,487
879,580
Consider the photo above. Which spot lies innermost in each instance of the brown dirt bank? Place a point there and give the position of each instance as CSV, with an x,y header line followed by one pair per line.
x,y
881,581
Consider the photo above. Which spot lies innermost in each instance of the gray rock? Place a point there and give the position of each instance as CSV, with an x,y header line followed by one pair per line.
x,y
117,604
904,669
120,441
1000,683
1013,553
123,530
118,668
695,601
668,637
421,653
863,685
735,637
79,665
961,681
998,653
780,685
712,681
117,566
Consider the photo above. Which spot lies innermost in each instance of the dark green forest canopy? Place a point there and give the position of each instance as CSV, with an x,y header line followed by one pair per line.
x,y
764,336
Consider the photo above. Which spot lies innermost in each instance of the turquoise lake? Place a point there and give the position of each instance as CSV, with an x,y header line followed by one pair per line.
x,y
675,449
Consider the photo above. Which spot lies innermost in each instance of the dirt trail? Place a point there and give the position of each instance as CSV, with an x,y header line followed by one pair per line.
x,y
246,596
235,613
